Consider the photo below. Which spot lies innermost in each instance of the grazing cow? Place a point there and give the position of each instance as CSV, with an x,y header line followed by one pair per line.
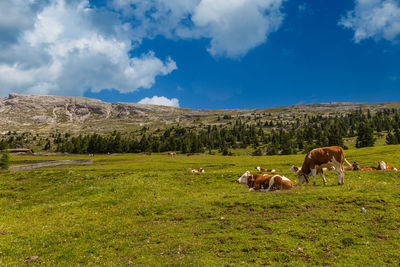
x,y
258,168
190,154
91,155
322,157
196,170
294,168
382,166
171,154
264,182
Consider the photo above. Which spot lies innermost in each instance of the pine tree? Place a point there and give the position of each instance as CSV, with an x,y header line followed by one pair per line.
x,y
391,139
397,135
365,135
47,146
335,137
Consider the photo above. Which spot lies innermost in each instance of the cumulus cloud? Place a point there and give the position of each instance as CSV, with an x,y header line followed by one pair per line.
x,y
67,47
237,26
233,27
161,101
16,16
377,19
65,52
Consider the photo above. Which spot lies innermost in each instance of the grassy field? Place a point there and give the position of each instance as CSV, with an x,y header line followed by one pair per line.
x,y
147,210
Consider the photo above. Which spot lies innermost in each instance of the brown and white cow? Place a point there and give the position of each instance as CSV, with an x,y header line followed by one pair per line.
x,y
258,168
357,167
171,154
264,182
323,157
383,166
196,170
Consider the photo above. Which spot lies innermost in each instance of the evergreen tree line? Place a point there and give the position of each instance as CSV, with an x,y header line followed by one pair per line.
x,y
269,137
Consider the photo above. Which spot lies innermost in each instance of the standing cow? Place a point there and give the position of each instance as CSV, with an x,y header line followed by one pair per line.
x,y
321,157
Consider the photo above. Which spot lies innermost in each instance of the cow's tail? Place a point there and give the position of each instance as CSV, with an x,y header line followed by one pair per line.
x,y
348,162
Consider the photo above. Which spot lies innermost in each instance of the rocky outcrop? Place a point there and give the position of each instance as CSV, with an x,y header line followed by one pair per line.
x,y
19,111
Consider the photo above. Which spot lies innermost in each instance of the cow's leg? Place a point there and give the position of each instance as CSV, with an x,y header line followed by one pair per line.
x,y
323,176
255,188
339,176
314,175
271,183
340,173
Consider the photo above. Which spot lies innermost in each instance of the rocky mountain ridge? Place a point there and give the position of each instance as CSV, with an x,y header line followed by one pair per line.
x,y
19,111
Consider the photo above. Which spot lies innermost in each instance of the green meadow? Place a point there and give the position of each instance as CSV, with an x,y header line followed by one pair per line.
x,y
141,210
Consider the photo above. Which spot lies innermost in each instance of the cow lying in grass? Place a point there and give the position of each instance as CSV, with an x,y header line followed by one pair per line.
x,y
382,166
357,167
258,168
196,170
264,182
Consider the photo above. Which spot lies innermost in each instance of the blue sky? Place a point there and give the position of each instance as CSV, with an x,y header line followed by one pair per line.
x,y
203,53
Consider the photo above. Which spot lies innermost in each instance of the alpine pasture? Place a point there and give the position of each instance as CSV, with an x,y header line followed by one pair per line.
x,y
133,209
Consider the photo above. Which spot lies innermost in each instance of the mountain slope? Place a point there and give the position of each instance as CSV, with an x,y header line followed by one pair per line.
x,y
79,114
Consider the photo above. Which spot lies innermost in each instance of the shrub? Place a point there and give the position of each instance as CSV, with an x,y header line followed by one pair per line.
x,y
5,161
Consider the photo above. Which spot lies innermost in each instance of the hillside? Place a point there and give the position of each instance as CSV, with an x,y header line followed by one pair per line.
x,y
45,113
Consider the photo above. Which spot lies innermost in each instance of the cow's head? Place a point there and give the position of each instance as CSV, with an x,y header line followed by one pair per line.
x,y
251,180
294,169
382,165
201,170
244,179
356,166
302,177
258,168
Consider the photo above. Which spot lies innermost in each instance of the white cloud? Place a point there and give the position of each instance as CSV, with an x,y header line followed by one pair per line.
x,y
234,27
237,26
66,47
161,101
377,19
15,17
68,54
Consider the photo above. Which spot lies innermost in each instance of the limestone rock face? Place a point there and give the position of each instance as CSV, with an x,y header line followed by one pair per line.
x,y
36,109
22,112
